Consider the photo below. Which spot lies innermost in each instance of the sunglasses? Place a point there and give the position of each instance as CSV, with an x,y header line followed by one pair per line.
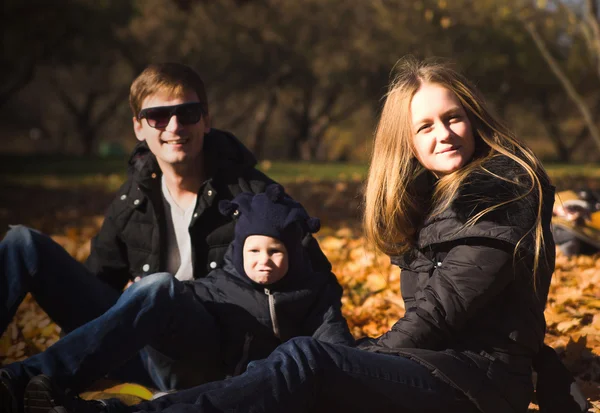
x,y
160,116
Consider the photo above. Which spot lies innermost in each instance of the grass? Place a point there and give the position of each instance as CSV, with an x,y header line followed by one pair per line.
x,y
60,165
294,171
73,171
70,171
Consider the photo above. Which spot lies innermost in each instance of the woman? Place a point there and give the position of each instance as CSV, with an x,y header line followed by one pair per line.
x,y
464,209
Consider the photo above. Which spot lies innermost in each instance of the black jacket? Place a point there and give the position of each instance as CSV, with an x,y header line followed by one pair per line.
x,y
473,316
255,319
132,240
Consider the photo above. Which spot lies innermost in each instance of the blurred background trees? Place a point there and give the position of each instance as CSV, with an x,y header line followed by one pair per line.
x,y
295,80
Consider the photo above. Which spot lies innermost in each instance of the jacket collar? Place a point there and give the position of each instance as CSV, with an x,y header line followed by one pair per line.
x,y
222,151
500,179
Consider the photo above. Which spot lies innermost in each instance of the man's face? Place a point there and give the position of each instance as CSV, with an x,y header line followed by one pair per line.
x,y
173,144
265,259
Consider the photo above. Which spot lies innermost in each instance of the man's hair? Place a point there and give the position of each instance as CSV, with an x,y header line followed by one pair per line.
x,y
169,78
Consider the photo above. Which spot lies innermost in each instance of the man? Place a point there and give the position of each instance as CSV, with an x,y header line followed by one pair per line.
x,y
164,218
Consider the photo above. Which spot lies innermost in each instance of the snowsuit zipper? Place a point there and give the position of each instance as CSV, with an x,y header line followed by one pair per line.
x,y
273,313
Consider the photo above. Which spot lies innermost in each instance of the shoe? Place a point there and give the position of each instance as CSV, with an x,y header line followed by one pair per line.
x,y
42,395
9,400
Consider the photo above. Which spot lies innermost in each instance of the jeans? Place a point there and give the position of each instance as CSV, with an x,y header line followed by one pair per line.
x,y
305,375
62,286
155,333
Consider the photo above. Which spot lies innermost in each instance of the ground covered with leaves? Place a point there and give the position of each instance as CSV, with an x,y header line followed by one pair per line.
x,y
371,302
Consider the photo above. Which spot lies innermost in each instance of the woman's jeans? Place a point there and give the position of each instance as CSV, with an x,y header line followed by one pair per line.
x,y
305,375
155,333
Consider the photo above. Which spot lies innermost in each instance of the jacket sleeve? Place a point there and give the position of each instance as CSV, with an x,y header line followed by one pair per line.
x,y
469,277
326,322
556,389
250,179
108,255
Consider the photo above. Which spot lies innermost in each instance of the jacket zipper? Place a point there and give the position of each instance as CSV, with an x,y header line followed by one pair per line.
x,y
273,313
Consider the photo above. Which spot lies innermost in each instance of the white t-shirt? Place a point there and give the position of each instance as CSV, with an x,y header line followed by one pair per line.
x,y
179,243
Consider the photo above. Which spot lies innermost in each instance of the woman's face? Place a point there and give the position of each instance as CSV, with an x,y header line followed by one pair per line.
x,y
442,134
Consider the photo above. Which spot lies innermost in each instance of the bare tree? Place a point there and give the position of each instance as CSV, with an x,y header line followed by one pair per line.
x,y
588,23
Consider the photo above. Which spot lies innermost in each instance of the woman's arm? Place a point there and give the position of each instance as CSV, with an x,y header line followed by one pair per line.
x,y
470,276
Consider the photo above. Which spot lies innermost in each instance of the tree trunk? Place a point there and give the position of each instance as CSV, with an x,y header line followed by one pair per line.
x,y
301,123
565,82
591,17
87,133
262,119
298,149
315,141
13,82
88,142
563,153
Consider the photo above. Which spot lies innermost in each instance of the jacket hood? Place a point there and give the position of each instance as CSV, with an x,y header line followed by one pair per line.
x,y
222,150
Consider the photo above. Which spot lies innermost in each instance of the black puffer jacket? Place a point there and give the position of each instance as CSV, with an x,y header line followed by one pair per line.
x,y
132,240
472,314
255,319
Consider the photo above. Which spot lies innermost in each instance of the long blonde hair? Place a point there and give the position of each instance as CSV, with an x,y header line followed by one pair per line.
x,y
394,205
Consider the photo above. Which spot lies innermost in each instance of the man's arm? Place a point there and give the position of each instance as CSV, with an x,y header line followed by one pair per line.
x,y
108,257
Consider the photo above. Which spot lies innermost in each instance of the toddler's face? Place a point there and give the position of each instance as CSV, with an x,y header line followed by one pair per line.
x,y
265,259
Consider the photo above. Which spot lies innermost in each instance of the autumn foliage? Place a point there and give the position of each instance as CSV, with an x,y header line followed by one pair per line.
x,y
371,302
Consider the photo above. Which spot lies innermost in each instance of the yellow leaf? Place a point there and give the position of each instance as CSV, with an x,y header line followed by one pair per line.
x,y
132,389
564,326
445,22
5,343
375,282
